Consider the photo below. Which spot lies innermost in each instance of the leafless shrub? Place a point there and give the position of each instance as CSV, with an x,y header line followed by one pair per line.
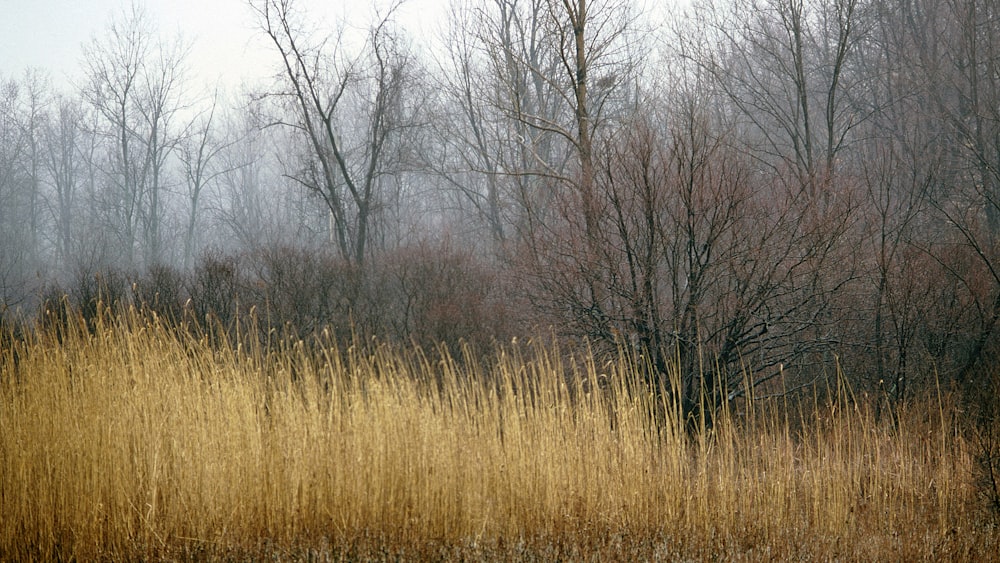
x,y
426,294
95,293
213,287
435,294
161,291
304,289
702,260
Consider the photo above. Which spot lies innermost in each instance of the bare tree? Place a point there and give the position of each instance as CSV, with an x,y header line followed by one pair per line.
x,y
698,264
134,81
243,204
322,80
527,85
944,61
469,140
33,117
13,252
64,137
23,113
200,154
783,65
159,105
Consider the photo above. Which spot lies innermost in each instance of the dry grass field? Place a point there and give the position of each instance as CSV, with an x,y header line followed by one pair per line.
x,y
131,441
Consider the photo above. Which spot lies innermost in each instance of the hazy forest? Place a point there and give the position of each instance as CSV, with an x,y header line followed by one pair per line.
x,y
582,279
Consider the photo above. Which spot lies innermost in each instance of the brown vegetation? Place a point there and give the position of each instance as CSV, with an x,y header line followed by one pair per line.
x,y
135,441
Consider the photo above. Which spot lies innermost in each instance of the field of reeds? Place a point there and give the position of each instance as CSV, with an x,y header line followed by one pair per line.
x,y
128,440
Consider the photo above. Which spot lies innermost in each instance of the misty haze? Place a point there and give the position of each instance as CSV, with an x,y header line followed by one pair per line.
x,y
505,279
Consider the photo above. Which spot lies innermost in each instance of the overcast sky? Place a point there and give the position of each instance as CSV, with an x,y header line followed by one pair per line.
x,y
225,44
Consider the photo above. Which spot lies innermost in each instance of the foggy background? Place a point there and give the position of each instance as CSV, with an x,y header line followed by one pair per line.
x,y
780,188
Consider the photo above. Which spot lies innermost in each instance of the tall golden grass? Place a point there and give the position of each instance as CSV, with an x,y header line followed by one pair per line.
x,y
135,441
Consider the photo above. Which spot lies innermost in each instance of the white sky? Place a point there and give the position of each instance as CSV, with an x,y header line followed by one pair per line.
x,y
49,34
